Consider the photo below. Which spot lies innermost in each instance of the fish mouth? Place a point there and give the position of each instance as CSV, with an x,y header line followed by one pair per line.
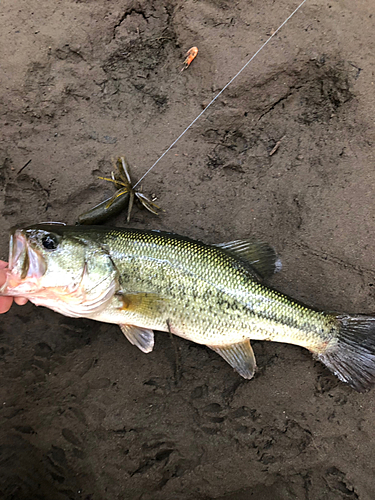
x,y
26,266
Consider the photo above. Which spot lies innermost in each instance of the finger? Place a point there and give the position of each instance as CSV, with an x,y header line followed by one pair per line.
x,y
5,303
20,301
3,264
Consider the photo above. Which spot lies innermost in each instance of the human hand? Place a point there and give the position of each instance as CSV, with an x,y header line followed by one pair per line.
x,y
6,302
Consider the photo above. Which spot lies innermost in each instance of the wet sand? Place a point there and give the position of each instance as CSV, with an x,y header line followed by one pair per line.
x,y
84,414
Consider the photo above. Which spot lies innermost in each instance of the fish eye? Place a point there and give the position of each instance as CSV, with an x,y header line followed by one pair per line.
x,y
50,242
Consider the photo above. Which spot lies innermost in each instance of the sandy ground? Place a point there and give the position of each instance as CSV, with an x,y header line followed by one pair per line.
x,y
84,414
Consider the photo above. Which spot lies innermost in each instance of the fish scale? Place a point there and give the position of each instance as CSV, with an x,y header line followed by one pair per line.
x,y
217,300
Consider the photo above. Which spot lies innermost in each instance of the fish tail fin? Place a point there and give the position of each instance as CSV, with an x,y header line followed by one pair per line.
x,y
351,356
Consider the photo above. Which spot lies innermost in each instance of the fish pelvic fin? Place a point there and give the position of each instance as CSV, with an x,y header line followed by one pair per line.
x,y
143,338
259,256
351,354
240,357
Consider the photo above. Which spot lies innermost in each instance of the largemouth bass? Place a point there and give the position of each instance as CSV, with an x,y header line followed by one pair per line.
x,y
209,294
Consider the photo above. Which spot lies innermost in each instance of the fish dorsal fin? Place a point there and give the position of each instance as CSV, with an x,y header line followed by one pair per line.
x,y
141,337
240,357
259,255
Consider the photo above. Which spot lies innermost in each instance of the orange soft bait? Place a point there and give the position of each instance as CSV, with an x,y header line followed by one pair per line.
x,y
191,54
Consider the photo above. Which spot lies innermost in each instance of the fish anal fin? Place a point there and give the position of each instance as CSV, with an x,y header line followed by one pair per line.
x,y
261,257
141,337
240,356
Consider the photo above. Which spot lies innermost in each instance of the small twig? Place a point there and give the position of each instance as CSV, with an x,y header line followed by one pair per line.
x,y
357,68
177,369
276,147
20,170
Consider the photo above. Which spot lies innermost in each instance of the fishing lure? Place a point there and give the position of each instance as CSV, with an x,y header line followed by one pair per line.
x,y
190,55
126,193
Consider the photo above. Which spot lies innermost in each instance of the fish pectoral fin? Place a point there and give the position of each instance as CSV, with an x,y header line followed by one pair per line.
x,y
240,357
141,337
142,302
260,256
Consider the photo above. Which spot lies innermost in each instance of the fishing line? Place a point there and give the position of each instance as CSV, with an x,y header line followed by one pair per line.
x,y
219,94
